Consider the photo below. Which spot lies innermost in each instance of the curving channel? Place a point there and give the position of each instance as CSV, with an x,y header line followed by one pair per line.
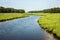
x,y
22,29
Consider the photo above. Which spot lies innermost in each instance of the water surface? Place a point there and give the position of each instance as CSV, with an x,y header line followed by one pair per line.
x,y
21,29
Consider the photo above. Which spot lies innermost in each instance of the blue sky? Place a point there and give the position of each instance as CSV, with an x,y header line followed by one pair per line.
x,y
30,4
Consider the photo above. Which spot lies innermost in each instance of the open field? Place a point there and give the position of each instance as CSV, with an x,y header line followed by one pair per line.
x,y
9,16
50,22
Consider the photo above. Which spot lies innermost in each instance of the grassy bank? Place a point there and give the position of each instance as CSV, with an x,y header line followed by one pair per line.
x,y
9,16
50,22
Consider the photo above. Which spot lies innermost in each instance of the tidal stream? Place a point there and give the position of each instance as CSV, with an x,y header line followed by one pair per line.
x,y
22,29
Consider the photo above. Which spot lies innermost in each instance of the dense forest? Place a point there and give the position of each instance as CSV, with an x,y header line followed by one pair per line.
x,y
11,10
51,10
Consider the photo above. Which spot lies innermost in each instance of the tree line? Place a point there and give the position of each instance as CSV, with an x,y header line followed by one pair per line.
x,y
11,10
51,10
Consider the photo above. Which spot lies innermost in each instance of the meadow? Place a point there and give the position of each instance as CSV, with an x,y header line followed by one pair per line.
x,y
10,16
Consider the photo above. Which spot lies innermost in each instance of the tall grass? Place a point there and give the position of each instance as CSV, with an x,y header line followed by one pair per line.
x,y
50,22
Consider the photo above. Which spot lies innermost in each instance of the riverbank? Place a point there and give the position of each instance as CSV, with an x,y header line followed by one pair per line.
x,y
49,36
10,16
51,23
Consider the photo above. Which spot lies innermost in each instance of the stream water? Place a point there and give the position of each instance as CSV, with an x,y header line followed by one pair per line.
x,y
21,29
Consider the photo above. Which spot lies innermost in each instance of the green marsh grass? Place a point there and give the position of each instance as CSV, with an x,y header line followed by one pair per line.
x,y
8,16
50,22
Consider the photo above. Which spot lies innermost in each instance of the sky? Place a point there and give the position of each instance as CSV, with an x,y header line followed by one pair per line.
x,y
29,5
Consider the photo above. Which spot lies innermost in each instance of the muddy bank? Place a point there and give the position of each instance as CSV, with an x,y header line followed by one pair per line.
x,y
49,36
